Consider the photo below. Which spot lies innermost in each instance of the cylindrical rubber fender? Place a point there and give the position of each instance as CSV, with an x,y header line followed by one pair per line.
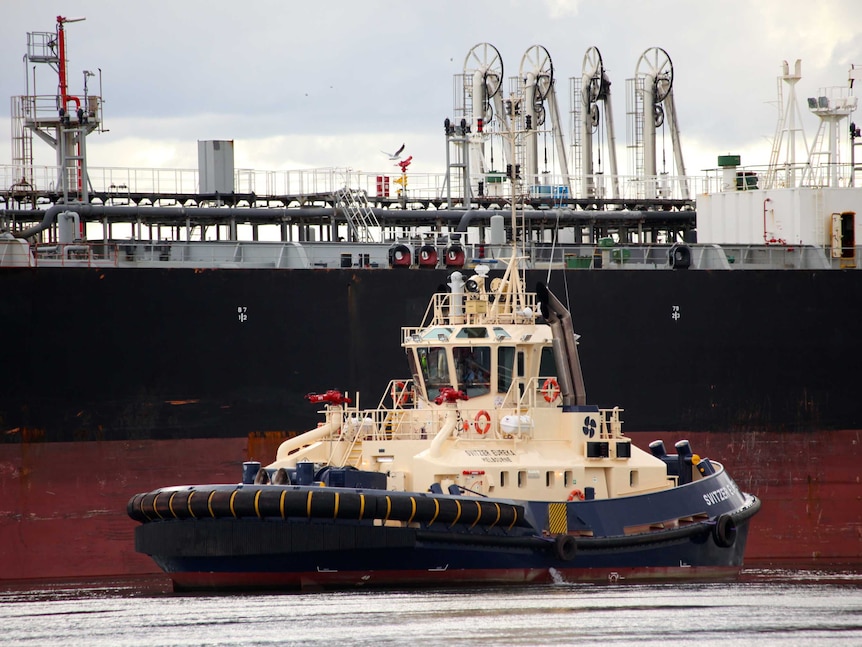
x,y
511,516
292,503
450,511
397,508
268,503
321,503
176,504
471,511
724,531
351,505
565,547
179,505
219,503
146,505
246,502
133,508
198,503
489,513
427,509
159,504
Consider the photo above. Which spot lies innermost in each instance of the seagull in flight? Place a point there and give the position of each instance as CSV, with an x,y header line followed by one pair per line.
x,y
396,155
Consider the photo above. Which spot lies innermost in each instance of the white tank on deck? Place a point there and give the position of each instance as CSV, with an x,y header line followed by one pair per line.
x,y
14,252
68,227
498,230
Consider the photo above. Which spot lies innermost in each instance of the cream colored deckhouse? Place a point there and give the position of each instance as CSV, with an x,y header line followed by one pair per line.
x,y
496,406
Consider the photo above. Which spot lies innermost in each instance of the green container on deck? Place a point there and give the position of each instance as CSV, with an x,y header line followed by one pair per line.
x,y
606,242
746,180
578,262
621,255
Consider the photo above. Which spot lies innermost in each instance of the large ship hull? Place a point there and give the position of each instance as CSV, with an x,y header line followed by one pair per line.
x,y
119,380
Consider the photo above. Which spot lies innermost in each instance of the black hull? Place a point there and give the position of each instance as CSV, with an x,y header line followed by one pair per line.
x,y
121,354
421,563
237,545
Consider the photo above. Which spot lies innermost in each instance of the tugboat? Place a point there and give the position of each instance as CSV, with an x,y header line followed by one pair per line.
x,y
486,465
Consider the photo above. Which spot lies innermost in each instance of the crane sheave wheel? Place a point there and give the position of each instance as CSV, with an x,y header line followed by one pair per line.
x,y
593,68
656,64
485,58
538,60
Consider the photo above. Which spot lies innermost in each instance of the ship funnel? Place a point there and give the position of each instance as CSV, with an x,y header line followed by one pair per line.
x,y
565,347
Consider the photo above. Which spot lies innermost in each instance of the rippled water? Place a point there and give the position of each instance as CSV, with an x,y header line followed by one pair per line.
x,y
765,607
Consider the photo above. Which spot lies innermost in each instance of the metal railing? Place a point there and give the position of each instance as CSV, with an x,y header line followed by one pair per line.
x,y
387,423
289,255
123,182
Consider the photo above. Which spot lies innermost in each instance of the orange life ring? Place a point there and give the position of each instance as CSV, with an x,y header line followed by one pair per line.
x,y
551,389
576,495
482,422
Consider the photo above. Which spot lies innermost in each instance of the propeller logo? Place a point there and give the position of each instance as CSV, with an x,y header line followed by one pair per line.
x,y
589,427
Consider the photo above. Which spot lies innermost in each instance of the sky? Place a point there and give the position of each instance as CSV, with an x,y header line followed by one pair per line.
x,y
332,83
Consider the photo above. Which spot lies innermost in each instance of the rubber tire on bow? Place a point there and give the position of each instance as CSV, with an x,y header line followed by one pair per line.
x,y
565,547
724,532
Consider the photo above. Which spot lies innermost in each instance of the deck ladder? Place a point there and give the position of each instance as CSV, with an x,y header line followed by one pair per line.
x,y
360,216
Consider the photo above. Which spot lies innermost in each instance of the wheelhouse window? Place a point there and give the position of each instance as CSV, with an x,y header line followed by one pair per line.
x,y
473,367
435,368
472,333
505,362
438,334
548,365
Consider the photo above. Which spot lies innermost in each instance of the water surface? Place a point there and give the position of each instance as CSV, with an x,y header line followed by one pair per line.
x,y
764,608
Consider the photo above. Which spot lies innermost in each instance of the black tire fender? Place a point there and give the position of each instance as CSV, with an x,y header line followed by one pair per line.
x,y
565,547
724,531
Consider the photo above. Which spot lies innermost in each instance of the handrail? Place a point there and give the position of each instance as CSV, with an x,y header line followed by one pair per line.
x,y
288,254
125,181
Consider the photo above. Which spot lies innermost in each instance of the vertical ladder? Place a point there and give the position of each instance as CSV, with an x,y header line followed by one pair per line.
x,y
576,85
855,158
635,113
359,214
22,143
457,179
814,174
